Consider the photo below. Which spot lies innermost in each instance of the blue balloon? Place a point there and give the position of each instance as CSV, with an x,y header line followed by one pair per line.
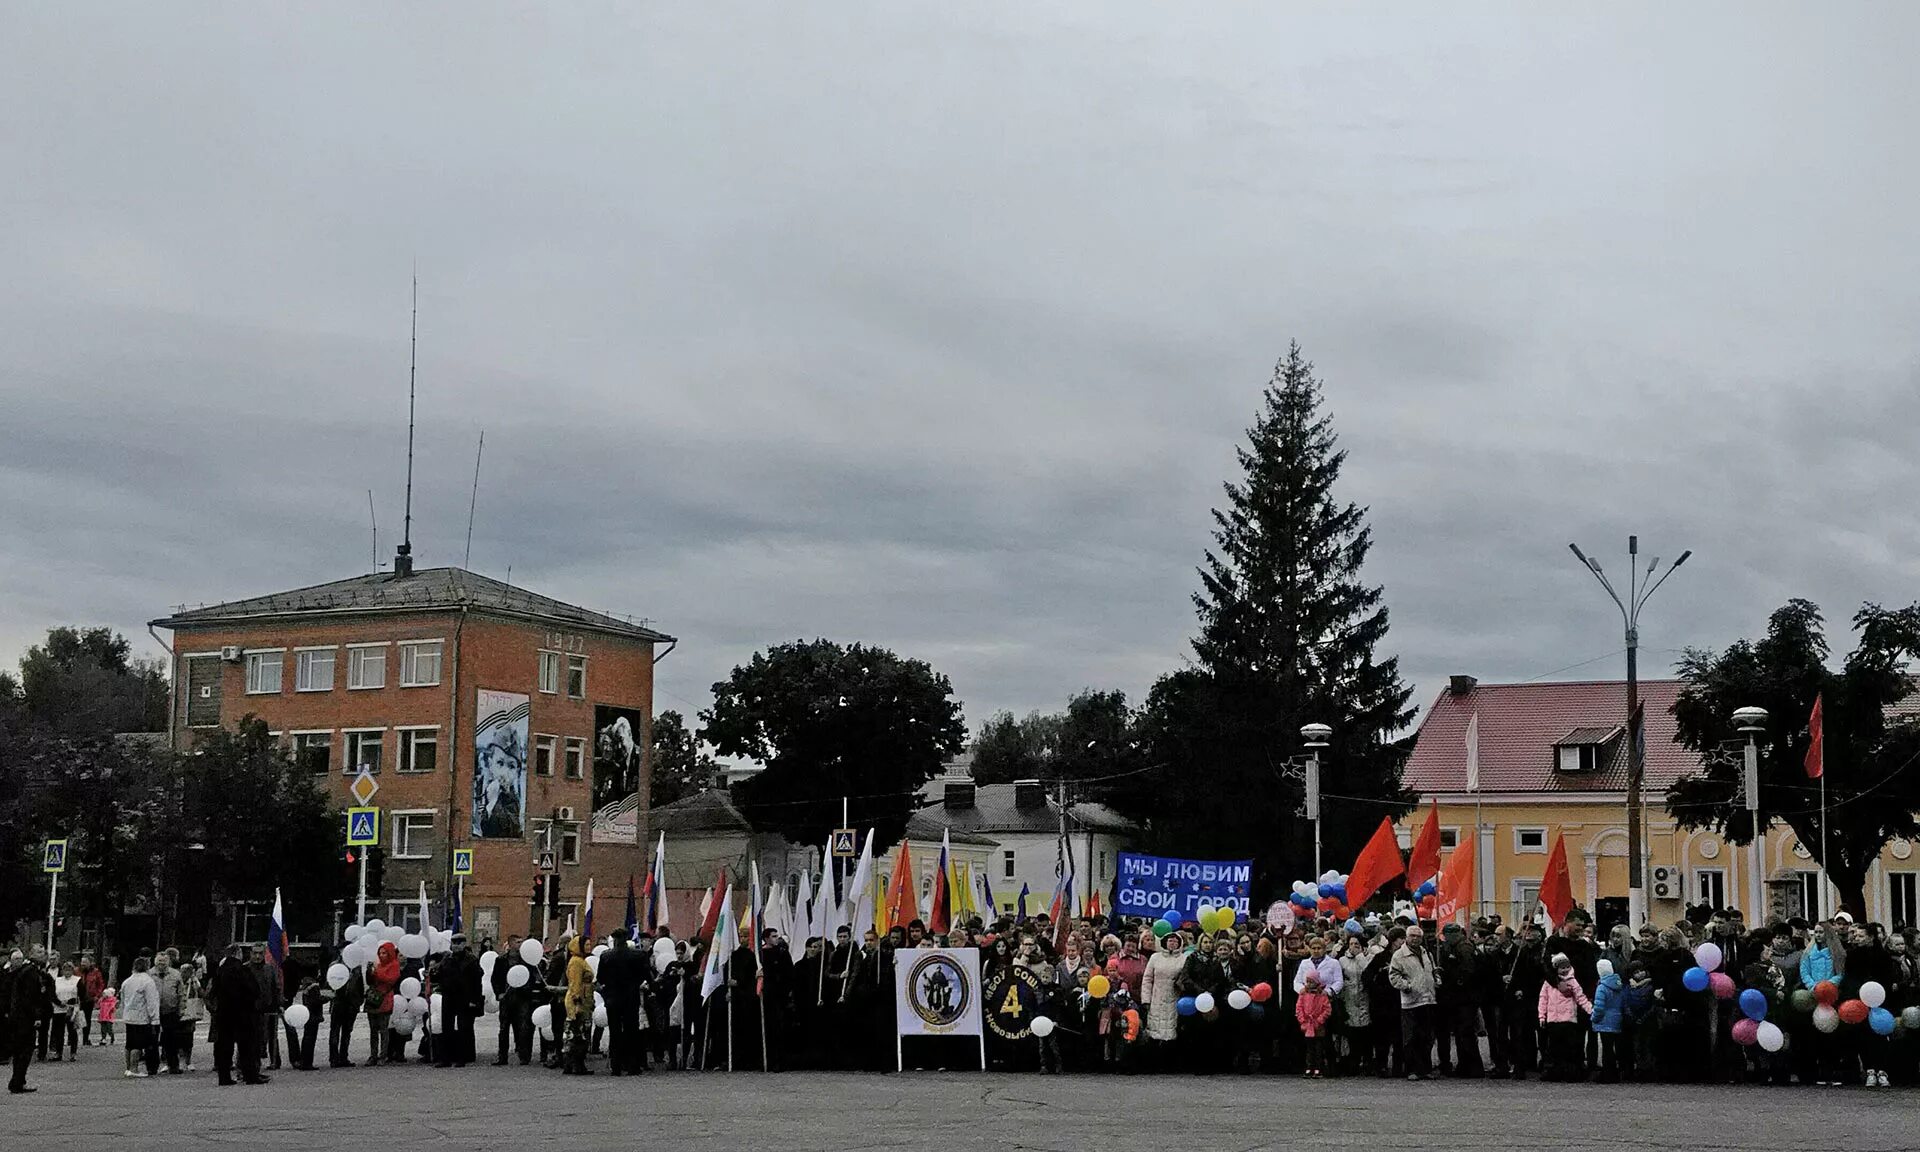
x,y
1186,1006
1340,893
1881,1021
1753,1002
1425,890
1326,890
1354,927
1695,978
1303,902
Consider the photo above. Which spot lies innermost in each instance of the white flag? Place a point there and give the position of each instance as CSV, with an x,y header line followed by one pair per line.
x,y
726,937
860,892
802,919
776,914
826,917
1473,753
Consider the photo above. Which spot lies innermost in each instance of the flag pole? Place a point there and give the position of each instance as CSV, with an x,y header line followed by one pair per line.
x,y
1824,898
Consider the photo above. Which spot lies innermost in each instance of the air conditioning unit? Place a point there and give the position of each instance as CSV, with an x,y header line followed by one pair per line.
x,y
1666,883
231,653
564,813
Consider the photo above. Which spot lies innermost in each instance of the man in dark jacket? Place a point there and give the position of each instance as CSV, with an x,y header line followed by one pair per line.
x,y
1489,995
26,995
623,982
1522,972
236,997
347,1001
776,998
1459,963
516,1004
461,1000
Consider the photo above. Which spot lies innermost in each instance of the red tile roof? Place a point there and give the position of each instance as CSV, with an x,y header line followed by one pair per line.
x,y
1521,723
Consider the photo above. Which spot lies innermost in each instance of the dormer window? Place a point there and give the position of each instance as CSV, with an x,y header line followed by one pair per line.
x,y
1584,749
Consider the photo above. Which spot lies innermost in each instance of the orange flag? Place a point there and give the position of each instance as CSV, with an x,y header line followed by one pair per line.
x,y
1379,862
1556,883
1456,884
902,904
1816,743
1425,860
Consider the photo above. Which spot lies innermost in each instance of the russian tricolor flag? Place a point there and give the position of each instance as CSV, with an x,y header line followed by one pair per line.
x,y
277,934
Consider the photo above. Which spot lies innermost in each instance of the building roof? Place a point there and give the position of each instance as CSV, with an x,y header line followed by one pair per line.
x,y
1592,734
926,827
993,811
709,811
1520,724
429,589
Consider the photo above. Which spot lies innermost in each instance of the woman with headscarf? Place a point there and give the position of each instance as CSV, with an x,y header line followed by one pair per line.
x,y
579,1005
1160,995
1210,1037
382,979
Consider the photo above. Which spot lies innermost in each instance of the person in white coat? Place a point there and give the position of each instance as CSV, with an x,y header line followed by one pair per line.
x,y
1160,991
140,1013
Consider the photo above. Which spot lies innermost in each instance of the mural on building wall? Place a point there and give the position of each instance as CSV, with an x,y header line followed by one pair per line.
x,y
618,735
500,765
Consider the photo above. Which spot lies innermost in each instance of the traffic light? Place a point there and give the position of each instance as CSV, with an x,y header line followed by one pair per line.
x,y
553,897
539,891
376,870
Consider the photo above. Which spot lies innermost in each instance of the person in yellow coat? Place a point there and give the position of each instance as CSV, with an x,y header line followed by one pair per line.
x,y
579,1006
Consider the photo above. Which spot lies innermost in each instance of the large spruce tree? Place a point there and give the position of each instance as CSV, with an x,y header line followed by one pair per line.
x,y
1288,629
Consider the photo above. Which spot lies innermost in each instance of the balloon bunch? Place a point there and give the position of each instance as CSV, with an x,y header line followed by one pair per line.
x,y
1869,1009
1705,975
1426,900
1239,999
1210,919
1326,898
410,1008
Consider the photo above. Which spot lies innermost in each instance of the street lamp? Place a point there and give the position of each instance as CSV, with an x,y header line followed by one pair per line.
x,y
1316,737
1752,722
1639,591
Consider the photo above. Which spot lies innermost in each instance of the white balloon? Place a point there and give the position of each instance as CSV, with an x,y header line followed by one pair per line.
x,y
1605,967
410,987
543,1016
1826,1018
338,975
1042,1027
413,947
421,1006
392,933
442,940
353,932
296,1016
599,1001
487,961
1872,994
593,965
1708,956
547,1035
1238,999
531,951
402,1024
599,1017
1770,1036
599,948
517,977
662,952
376,926
1204,1002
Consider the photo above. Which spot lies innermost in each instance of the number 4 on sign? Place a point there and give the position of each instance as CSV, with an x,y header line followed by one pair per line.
x,y
1011,1005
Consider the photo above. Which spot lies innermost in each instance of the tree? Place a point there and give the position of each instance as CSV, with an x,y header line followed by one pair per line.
x,y
1093,740
1872,793
84,681
831,721
680,768
1288,630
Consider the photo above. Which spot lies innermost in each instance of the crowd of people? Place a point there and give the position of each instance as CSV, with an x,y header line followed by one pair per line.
x,y
1380,998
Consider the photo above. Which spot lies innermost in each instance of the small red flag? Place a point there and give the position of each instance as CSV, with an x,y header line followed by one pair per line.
x,y
1816,744
1378,863
1556,883
1456,883
712,920
1425,860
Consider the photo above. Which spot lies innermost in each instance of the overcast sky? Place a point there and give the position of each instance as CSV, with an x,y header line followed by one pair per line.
x,y
936,325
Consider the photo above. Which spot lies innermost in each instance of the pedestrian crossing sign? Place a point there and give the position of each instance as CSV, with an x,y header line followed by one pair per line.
x,y
843,845
56,857
463,861
363,827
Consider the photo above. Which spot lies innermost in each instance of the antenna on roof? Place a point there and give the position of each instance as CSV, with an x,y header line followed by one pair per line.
x,y
474,500
403,559
376,530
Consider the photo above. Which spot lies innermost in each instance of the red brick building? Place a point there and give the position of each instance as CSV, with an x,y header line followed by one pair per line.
x,y
431,679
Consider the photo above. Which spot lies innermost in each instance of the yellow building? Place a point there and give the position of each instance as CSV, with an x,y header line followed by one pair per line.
x,y
1552,759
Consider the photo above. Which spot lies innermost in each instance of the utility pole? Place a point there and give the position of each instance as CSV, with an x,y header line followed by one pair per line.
x,y
1638,593
1316,736
1752,722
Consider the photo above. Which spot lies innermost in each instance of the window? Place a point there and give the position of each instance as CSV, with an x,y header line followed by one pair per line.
x,y
576,758
250,919
367,666
314,751
412,835
419,663
1808,891
1449,839
543,755
1529,839
569,841
1903,899
313,670
419,749
1006,863
1710,887
405,916
1579,757
1103,868
549,671
363,750
577,677
263,671
1526,898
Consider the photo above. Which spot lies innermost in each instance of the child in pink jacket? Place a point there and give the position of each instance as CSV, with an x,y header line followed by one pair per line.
x,y
1313,1009
1561,1002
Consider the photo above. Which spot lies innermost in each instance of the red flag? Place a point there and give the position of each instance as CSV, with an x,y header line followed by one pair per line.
x,y
901,905
1425,860
1816,744
1556,884
940,915
1456,883
712,920
1379,862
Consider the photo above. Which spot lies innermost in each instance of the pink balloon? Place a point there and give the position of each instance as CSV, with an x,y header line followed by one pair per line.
x,y
1721,984
1746,1031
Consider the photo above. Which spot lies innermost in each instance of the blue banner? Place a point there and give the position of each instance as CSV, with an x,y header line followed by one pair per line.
x,y
1152,886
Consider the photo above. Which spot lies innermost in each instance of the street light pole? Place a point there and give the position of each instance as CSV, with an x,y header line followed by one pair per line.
x,y
1316,737
1753,721
1639,591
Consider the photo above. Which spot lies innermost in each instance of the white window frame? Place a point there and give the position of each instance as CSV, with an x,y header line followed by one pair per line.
x,y
404,914
303,661
1449,830
576,662
357,654
1700,885
399,822
1809,881
573,758
350,762
1894,909
1526,899
1522,849
299,734
549,676
571,834
1102,877
410,654
257,662
548,831
550,744
410,735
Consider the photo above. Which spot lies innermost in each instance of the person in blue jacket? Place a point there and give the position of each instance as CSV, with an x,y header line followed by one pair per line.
x,y
1609,1016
